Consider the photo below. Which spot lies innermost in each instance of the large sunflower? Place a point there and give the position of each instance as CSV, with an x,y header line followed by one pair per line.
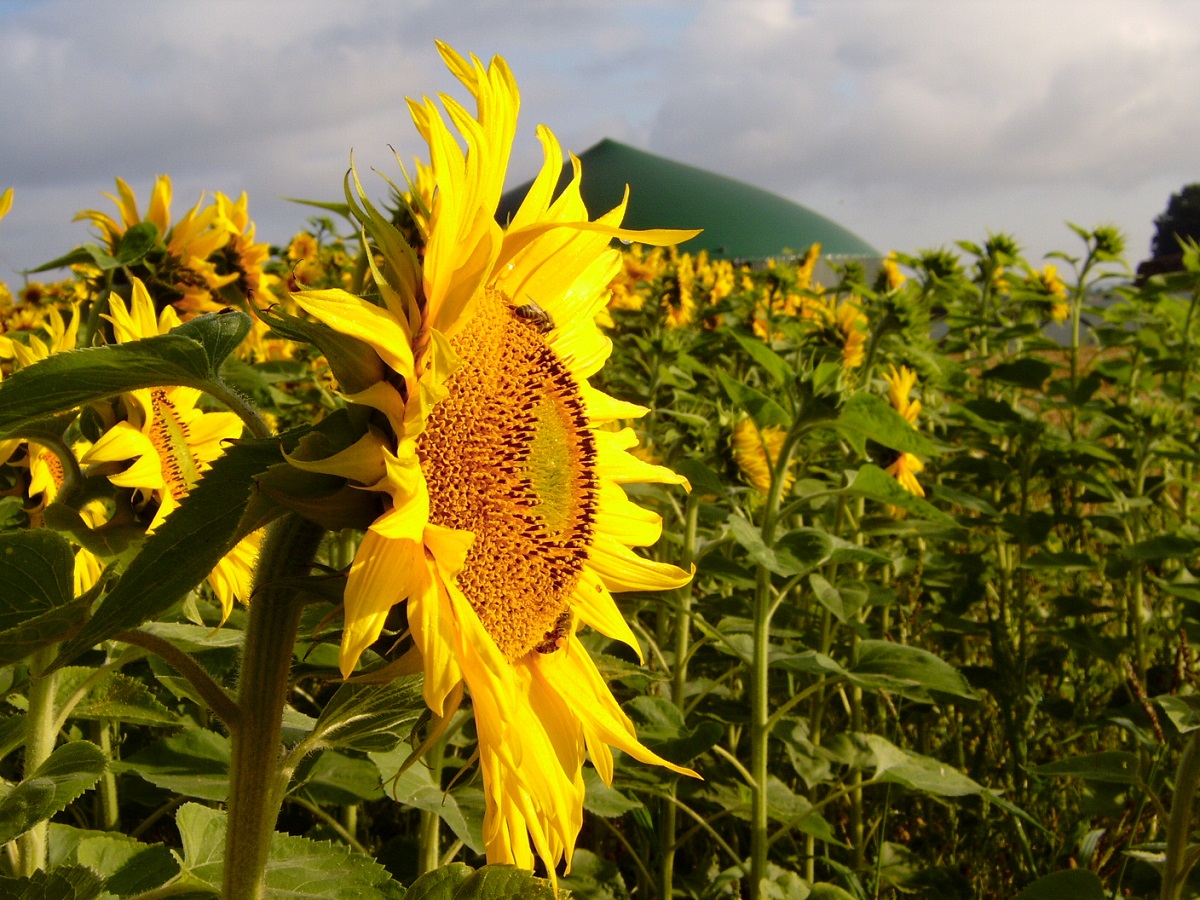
x,y
505,525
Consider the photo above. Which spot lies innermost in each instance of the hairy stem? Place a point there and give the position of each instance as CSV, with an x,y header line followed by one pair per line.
x,y
258,776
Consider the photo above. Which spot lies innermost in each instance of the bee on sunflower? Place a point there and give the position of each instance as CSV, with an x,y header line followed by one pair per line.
x,y
505,527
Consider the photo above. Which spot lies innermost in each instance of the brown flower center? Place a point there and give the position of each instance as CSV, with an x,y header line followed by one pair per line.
x,y
509,456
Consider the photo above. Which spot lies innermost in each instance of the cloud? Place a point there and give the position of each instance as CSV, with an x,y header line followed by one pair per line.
x,y
903,121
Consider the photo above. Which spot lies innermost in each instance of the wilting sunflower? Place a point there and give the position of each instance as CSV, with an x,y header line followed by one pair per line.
x,y
906,466
168,443
505,525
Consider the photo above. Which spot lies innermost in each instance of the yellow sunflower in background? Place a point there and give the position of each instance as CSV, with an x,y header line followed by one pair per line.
x,y
756,451
168,443
906,466
506,526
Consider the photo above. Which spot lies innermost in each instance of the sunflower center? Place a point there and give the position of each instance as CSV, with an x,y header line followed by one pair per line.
x,y
169,435
508,456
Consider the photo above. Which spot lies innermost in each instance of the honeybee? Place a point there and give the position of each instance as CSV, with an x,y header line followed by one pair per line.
x,y
536,316
556,637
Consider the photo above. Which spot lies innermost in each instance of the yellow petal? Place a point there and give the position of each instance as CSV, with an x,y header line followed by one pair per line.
x,y
623,570
595,606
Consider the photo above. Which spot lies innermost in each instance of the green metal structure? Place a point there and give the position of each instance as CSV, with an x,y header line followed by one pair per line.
x,y
739,220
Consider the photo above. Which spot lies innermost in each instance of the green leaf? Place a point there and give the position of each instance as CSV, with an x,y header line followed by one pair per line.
x,y
783,805
1109,766
37,603
661,727
193,763
1184,712
335,779
136,242
760,407
593,878
415,788
1027,373
917,772
602,800
460,882
1064,560
128,865
190,354
796,552
766,358
1164,546
355,364
702,478
69,771
1077,884
801,550
909,671
64,883
874,418
834,600
117,696
875,484
184,549
373,717
298,867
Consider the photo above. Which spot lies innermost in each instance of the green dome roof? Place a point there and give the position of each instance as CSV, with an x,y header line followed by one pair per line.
x,y
739,220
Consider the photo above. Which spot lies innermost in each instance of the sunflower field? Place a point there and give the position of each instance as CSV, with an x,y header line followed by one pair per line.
x,y
433,557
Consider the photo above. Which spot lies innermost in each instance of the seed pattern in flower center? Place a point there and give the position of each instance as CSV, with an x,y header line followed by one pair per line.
x,y
169,435
508,455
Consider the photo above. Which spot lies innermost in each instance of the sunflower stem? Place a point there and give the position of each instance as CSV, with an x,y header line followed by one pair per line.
x,y
429,841
39,741
682,636
258,776
760,698
1187,780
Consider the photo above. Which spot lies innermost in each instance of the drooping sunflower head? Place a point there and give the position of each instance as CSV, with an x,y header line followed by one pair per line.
x,y
756,452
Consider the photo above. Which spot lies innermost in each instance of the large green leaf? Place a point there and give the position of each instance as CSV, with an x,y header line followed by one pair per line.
x,y
761,408
875,418
37,605
193,763
875,484
415,788
64,883
370,716
766,358
185,548
909,671
1111,766
916,772
298,867
190,354
128,866
116,696
67,772
1026,372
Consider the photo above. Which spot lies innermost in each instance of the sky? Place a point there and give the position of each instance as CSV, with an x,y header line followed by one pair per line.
x,y
914,123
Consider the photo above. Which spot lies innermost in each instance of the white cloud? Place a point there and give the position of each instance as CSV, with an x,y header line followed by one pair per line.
x,y
908,122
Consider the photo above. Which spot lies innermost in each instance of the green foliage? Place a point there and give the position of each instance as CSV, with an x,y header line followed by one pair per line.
x,y
938,642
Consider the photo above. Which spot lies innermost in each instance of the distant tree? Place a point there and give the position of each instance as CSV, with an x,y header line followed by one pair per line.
x,y
1180,220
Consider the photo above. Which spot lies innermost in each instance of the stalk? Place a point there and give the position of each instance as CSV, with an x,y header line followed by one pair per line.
x,y
1187,779
760,699
258,776
429,839
682,636
39,742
